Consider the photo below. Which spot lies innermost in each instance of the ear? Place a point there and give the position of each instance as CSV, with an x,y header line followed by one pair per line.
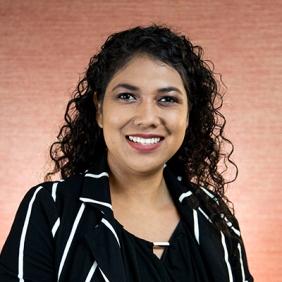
x,y
98,106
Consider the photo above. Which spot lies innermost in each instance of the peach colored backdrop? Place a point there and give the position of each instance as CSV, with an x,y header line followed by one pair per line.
x,y
45,45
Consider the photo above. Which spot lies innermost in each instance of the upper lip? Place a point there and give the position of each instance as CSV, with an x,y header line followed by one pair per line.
x,y
146,135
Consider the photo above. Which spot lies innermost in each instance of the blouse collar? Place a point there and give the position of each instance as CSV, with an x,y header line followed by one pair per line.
x,y
96,190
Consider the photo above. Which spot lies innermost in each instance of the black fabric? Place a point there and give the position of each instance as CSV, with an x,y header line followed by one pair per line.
x,y
177,263
65,231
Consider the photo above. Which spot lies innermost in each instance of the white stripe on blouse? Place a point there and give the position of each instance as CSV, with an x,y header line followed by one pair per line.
x,y
226,257
23,235
107,223
54,190
97,175
91,272
55,227
88,200
104,276
73,230
196,226
184,195
241,263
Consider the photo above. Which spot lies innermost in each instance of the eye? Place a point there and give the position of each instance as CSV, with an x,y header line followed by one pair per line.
x,y
126,97
168,100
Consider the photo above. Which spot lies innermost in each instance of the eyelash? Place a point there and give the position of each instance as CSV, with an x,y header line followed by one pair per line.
x,y
119,96
126,97
171,99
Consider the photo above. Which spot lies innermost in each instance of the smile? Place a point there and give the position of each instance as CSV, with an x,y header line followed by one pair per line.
x,y
144,141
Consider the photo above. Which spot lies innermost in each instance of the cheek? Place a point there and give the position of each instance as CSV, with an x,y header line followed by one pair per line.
x,y
180,131
178,122
114,120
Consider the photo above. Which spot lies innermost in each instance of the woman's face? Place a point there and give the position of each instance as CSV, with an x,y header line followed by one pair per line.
x,y
144,115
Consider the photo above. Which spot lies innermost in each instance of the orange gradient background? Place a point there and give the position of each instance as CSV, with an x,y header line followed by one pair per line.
x,y
45,46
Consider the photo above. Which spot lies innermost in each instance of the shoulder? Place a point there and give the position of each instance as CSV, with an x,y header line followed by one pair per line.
x,y
215,208
62,188
50,197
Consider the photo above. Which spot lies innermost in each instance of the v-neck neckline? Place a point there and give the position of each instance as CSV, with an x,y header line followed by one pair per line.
x,y
150,245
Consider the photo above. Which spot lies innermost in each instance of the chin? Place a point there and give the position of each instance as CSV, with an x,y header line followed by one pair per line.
x,y
146,168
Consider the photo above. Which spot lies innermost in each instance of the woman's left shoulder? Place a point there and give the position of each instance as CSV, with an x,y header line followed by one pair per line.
x,y
232,241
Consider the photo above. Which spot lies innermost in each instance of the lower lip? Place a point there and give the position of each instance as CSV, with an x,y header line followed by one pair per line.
x,y
144,148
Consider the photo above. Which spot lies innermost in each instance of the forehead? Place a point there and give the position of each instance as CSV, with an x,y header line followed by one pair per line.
x,y
143,71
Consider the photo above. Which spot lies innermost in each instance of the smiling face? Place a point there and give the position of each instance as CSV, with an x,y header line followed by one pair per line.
x,y
144,115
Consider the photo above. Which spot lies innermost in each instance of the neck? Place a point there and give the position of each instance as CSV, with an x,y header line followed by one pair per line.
x,y
135,188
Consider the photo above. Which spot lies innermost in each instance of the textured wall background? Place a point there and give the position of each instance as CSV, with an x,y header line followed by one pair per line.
x,y
45,45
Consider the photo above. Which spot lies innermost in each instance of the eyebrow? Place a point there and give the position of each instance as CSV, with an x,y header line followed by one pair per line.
x,y
135,88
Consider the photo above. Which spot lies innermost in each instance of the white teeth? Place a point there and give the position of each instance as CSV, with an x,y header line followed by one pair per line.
x,y
144,141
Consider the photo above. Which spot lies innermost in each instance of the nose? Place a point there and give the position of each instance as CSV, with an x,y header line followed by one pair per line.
x,y
147,115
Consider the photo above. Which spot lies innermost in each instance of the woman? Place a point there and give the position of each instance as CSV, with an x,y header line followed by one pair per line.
x,y
142,195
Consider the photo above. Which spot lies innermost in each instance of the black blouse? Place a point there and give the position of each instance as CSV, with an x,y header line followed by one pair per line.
x,y
177,262
66,231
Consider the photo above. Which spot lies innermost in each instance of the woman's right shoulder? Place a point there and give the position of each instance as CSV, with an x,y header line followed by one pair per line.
x,y
69,187
44,208
52,198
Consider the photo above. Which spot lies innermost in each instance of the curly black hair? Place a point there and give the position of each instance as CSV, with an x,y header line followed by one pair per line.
x,y
201,159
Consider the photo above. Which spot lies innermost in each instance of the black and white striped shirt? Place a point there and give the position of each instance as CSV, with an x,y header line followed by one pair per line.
x,y
65,231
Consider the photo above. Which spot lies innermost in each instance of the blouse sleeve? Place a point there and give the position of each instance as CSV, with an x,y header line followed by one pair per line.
x,y
240,264
239,261
28,253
